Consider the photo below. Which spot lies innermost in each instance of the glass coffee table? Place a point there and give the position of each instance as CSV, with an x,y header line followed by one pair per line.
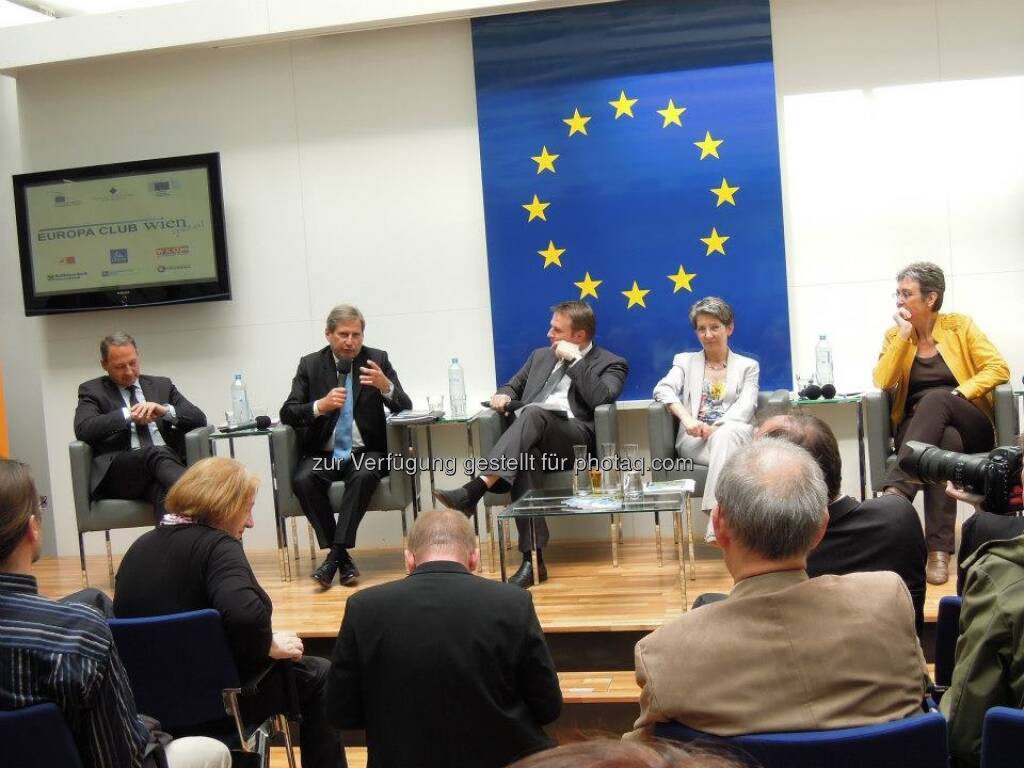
x,y
668,498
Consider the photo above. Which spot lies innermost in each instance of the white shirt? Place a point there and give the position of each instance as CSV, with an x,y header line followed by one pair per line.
x,y
154,433
559,397
357,438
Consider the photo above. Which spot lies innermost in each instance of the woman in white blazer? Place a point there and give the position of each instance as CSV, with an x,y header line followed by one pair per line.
x,y
713,393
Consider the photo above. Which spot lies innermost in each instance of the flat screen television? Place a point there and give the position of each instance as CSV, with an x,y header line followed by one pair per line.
x,y
132,234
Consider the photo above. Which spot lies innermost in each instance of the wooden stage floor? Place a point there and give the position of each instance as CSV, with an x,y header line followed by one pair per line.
x,y
584,593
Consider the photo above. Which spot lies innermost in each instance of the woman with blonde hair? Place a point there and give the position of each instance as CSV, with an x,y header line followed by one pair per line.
x,y
194,560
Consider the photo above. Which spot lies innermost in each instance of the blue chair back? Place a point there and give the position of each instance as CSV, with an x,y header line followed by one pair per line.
x,y
913,742
178,665
947,631
1002,738
37,736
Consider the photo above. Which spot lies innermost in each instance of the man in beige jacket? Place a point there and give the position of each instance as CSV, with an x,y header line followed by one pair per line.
x,y
783,652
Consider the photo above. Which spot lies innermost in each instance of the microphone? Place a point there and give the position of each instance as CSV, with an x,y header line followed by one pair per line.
x,y
512,405
810,392
260,422
828,391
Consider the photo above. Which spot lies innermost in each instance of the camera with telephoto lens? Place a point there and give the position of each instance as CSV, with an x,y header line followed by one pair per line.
x,y
992,475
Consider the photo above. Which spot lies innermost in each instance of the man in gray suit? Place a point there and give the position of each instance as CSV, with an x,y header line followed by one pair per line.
x,y
783,652
136,425
552,400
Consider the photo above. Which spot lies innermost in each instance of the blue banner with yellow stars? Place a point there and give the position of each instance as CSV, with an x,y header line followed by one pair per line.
x,y
630,158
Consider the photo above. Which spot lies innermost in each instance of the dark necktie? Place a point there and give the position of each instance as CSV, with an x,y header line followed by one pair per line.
x,y
553,378
142,430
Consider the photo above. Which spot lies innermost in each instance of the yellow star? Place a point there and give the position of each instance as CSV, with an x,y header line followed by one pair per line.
x,y
671,114
709,146
551,254
577,123
714,242
588,286
545,161
536,209
682,280
623,106
725,193
636,296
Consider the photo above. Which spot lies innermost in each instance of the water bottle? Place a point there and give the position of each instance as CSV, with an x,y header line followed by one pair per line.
x,y
240,401
457,389
823,362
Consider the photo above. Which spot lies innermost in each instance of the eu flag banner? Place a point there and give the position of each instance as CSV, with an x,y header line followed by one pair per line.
x,y
630,158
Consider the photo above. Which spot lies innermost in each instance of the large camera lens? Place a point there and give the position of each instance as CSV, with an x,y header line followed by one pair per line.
x,y
929,464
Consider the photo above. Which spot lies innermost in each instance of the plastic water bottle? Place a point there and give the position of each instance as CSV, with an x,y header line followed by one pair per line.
x,y
823,361
240,401
457,389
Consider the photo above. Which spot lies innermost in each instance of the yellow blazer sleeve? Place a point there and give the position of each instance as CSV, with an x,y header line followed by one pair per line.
x,y
991,367
895,361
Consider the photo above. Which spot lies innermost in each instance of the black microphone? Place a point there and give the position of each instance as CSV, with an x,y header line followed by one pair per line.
x,y
260,422
344,366
828,391
810,392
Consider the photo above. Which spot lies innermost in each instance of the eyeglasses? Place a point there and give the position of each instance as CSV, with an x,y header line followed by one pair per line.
x,y
905,295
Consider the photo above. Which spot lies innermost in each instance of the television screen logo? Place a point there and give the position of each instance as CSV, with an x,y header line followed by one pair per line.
x,y
172,250
118,255
66,260
162,187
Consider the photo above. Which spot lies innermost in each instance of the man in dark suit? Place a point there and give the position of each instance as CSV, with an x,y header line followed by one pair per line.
x,y
559,388
337,407
136,425
443,669
880,534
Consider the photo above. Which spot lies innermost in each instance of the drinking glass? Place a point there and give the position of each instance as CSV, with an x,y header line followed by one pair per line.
x,y
610,478
581,475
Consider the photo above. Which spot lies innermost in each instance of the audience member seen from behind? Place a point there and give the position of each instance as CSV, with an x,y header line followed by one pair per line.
x,y
604,753
940,370
752,662
983,525
443,669
64,653
193,560
989,653
713,393
880,534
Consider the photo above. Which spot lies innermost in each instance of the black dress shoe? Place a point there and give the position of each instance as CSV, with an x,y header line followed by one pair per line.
x,y
324,575
524,576
348,574
457,499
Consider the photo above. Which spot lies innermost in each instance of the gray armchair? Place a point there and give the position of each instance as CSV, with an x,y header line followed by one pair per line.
x,y
881,455
111,514
395,492
490,425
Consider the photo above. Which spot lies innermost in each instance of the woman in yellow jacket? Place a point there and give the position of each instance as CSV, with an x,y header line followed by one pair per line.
x,y
941,370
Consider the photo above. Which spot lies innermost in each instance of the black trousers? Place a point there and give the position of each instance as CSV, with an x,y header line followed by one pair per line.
x,y
952,423
538,440
319,741
145,473
312,480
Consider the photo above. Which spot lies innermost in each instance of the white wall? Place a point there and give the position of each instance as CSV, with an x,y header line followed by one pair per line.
x,y
352,174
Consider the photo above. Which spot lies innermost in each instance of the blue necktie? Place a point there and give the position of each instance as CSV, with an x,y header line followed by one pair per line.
x,y
343,429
